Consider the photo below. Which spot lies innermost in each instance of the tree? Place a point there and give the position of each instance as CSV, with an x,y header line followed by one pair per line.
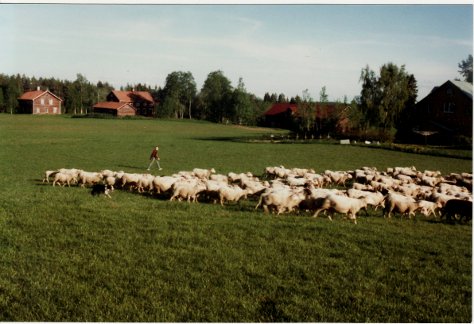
x,y
14,91
323,97
369,97
393,84
466,69
384,98
242,105
282,98
307,113
180,89
2,101
215,97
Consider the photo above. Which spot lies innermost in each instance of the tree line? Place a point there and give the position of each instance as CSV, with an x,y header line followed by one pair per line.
x,y
383,108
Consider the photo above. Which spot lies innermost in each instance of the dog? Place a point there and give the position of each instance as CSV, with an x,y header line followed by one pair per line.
x,y
99,189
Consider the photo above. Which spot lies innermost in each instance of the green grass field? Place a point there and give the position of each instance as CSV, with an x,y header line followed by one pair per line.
x,y
68,256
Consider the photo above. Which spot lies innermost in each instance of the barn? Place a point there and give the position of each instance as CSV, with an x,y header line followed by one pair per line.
x,y
119,109
39,102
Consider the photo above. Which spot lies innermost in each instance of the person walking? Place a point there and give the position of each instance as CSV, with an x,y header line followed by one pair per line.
x,y
155,157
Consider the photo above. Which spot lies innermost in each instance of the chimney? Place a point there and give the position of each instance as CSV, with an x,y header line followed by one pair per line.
x,y
38,88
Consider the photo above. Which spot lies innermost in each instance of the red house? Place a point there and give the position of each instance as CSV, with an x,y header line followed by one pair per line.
x,y
115,108
142,101
446,110
329,116
39,102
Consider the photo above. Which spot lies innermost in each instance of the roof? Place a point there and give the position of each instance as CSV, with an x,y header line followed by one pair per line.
x,y
279,108
111,105
32,95
131,96
322,110
464,86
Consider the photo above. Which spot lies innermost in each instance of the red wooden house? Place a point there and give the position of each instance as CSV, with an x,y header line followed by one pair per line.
x,y
446,110
329,116
39,102
141,101
114,108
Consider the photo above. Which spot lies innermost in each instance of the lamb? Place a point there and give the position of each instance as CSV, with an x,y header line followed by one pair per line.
x,y
428,208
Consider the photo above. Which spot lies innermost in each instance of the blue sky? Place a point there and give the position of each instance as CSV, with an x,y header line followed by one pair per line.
x,y
274,48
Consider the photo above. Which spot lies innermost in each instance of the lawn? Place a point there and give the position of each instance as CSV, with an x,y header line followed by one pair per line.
x,y
66,256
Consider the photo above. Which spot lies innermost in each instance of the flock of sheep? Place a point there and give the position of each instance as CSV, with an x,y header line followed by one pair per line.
x,y
403,190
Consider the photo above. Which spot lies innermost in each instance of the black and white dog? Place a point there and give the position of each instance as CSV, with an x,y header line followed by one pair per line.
x,y
99,189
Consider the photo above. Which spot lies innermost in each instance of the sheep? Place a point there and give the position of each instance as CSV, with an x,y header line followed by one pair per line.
x,y
203,173
280,199
343,205
428,208
89,178
188,190
163,184
231,193
399,203
48,174
63,178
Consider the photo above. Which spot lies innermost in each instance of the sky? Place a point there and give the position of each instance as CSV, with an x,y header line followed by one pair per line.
x,y
275,48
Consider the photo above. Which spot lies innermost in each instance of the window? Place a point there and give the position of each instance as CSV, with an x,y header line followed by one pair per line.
x,y
448,107
50,101
37,110
55,110
42,101
449,91
47,110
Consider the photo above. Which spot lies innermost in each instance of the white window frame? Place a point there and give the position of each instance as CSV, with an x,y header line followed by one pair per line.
x,y
448,107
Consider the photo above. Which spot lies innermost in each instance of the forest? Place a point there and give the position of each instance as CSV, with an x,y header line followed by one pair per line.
x,y
383,108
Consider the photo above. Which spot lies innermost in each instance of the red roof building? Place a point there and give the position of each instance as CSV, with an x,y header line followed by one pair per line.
x,y
142,101
114,108
39,102
285,115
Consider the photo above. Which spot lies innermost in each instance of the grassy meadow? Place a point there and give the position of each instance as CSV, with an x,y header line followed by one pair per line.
x,y
68,256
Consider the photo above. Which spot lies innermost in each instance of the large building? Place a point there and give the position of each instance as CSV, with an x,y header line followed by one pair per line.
x,y
39,102
328,116
141,101
446,111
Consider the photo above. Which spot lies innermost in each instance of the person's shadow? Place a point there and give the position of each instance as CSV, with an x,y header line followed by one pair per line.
x,y
132,167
